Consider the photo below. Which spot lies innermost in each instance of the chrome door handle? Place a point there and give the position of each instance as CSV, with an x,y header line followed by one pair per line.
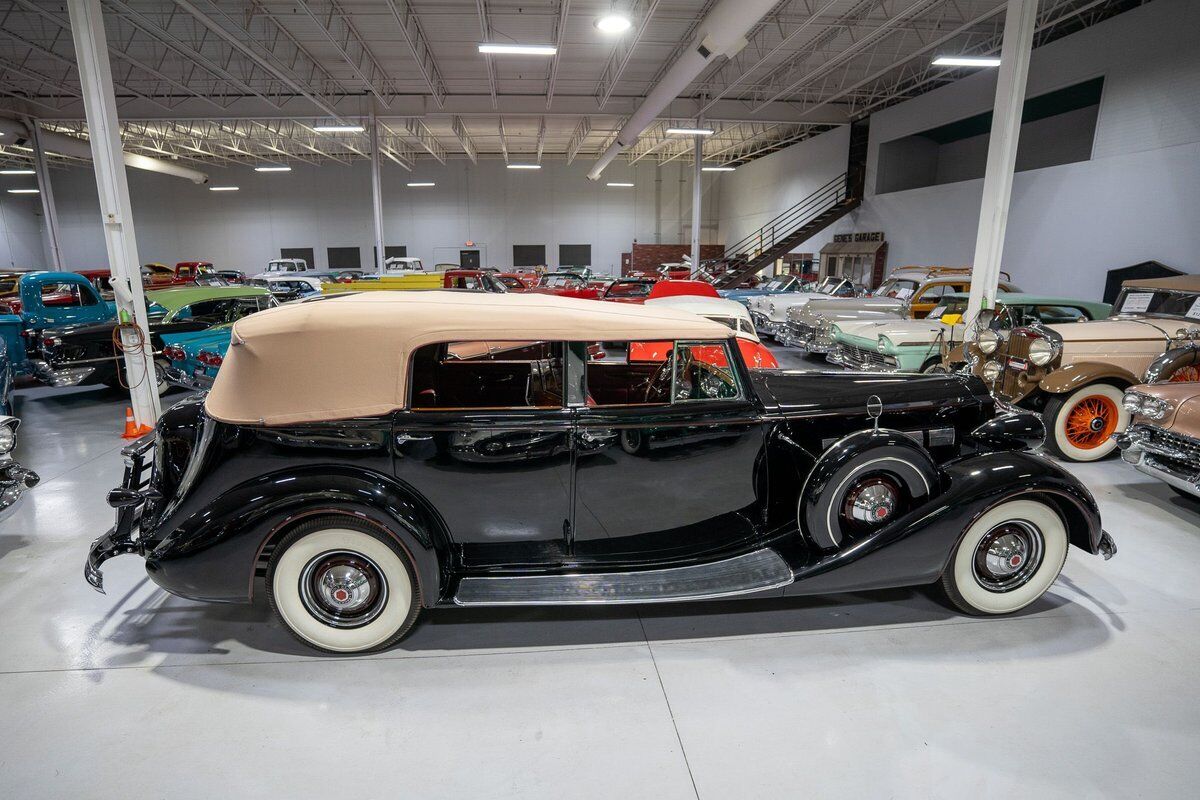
x,y
406,437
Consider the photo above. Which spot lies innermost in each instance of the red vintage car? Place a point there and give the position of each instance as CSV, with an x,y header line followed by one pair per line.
x,y
515,282
566,284
629,290
185,272
678,288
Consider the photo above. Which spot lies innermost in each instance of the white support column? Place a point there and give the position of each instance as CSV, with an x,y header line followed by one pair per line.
x,y
1015,52
104,135
376,193
46,193
698,157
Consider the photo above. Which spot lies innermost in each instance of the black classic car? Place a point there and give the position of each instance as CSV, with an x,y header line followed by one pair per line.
x,y
530,449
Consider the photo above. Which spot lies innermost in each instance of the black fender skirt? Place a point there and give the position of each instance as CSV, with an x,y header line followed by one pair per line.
x,y
915,548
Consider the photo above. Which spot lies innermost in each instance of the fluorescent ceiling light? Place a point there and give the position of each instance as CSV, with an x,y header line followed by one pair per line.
x,y
692,131
717,169
17,172
518,49
612,23
273,168
618,184
416,184
524,166
965,61
22,191
338,128
223,188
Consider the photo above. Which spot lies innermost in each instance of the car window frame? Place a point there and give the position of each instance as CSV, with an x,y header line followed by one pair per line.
x,y
408,400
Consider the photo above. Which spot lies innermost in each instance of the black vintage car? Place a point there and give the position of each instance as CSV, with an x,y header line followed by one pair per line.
x,y
526,449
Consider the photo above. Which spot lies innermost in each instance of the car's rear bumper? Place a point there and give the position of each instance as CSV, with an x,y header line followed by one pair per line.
x,y
128,499
14,481
65,375
179,377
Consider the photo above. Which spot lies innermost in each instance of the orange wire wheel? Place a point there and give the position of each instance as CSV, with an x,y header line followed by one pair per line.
x,y
1091,422
1185,375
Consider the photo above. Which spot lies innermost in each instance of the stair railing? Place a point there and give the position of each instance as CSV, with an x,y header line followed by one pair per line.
x,y
791,220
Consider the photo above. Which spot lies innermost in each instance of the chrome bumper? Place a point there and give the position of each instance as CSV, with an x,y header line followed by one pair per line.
x,y
61,376
1175,463
128,499
764,325
178,377
14,481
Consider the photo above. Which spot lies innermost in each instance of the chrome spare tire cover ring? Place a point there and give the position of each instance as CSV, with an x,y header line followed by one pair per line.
x,y
343,589
1008,556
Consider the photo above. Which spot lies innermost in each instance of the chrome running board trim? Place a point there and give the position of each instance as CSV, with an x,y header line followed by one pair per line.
x,y
753,572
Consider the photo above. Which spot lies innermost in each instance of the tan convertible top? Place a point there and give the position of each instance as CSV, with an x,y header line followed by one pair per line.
x,y
348,356
1176,283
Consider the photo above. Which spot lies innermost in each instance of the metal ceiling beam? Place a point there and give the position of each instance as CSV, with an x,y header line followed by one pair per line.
x,y
560,29
623,50
464,139
485,30
578,137
541,138
503,140
414,37
334,22
419,131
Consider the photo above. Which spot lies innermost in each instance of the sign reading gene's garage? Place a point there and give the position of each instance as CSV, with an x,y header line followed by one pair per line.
x,y
860,236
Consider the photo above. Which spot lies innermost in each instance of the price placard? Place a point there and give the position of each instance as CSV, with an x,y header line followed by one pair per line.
x,y
1136,302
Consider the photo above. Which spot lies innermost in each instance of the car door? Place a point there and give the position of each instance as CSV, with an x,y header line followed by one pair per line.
x,y
487,441
669,453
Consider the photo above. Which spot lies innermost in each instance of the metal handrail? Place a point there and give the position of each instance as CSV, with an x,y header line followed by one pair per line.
x,y
792,219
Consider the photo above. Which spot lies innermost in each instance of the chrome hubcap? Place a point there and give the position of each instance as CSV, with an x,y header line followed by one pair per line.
x,y
872,502
1008,555
343,589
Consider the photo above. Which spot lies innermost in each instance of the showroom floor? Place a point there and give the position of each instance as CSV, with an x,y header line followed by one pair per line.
x,y
138,694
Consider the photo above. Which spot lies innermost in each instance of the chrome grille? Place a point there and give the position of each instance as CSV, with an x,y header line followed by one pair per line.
x,y
1173,443
1016,346
801,331
856,357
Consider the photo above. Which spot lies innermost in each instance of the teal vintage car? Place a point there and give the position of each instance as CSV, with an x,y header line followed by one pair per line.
x,y
928,345
194,358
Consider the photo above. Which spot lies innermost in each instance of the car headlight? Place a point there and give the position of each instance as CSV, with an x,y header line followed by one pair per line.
x,y
991,371
883,344
1145,405
8,439
1042,351
988,341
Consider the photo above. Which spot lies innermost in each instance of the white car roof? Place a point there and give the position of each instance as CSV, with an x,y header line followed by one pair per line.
x,y
703,305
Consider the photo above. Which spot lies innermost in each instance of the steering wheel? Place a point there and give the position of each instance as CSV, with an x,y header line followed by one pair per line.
x,y
652,382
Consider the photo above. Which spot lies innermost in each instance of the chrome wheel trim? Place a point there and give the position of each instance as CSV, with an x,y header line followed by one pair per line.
x,y
1007,556
343,589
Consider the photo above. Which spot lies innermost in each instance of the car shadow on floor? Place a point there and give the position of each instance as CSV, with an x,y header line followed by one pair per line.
x,y
149,621
1184,509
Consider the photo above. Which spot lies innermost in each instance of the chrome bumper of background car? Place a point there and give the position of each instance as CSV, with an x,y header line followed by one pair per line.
x,y
763,324
61,376
14,481
128,499
861,359
178,377
1169,457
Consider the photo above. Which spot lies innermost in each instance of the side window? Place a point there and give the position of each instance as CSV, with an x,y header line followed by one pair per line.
x,y
68,295
933,293
703,372
214,311
479,374
658,373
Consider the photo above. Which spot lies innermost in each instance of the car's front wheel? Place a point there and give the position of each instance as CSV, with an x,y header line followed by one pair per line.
x,y
341,585
1081,424
1007,559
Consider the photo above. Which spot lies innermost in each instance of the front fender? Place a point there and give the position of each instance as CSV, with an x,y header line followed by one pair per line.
x,y
915,549
1073,376
213,554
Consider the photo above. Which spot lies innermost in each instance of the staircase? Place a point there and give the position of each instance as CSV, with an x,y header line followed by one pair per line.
x,y
802,221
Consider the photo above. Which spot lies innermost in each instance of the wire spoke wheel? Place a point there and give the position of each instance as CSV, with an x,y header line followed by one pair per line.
x,y
1189,374
1091,422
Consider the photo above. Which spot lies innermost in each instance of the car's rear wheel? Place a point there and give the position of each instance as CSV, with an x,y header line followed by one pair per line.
x,y
341,585
1081,424
934,366
119,381
1007,559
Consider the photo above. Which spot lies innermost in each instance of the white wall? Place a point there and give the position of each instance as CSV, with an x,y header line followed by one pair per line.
x,y
20,230
330,206
1138,198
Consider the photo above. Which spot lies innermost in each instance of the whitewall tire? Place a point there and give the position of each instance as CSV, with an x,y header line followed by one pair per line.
x,y
1081,423
1007,559
340,585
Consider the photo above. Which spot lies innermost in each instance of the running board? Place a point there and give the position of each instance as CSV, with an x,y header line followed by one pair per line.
x,y
752,572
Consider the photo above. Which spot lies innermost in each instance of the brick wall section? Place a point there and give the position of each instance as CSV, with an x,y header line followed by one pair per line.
x,y
652,256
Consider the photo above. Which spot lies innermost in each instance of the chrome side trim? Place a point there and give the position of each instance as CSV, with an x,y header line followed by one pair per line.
x,y
753,572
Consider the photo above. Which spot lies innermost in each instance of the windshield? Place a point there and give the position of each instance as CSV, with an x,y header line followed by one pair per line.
x,y
629,289
829,285
282,266
561,281
1135,302
897,287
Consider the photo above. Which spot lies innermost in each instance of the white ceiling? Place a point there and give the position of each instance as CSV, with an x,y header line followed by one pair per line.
x,y
221,81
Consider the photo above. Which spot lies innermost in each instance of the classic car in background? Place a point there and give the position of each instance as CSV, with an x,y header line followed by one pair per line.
x,y
1076,374
231,276
935,343
193,359
402,265
85,353
287,286
14,478
781,284
769,312
729,313
470,280
566,284
628,290
285,265
515,282
11,344
51,300
1163,436
185,272
483,472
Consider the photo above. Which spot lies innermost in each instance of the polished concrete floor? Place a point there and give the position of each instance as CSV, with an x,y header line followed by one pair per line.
x,y
1090,693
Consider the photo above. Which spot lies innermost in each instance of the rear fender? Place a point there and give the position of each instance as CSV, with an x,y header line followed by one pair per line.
x,y
213,554
1073,376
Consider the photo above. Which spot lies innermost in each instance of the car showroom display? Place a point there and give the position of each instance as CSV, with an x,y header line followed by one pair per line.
x,y
1075,375
498,455
769,312
935,343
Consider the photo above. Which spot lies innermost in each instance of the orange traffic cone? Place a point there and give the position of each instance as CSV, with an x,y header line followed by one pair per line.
x,y
132,431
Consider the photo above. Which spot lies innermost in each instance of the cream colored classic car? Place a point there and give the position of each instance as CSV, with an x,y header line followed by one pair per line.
x,y
1076,374
1163,439
769,312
